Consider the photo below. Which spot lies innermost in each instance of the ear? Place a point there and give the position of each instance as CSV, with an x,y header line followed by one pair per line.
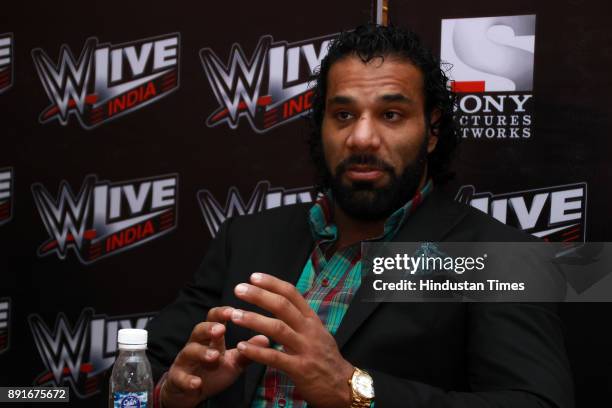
x,y
432,139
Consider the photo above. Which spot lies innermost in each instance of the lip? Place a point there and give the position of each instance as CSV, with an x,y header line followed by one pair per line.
x,y
364,173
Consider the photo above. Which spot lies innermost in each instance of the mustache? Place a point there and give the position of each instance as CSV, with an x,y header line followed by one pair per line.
x,y
364,159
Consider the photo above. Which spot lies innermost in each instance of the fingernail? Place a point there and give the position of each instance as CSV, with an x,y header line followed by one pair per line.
x,y
217,328
241,346
241,289
194,383
256,277
211,353
237,314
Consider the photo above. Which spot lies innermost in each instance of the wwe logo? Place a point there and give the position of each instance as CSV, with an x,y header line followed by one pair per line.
x,y
66,218
243,89
65,85
63,348
263,198
236,86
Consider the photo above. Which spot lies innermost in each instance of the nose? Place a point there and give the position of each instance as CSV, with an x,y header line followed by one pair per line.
x,y
364,136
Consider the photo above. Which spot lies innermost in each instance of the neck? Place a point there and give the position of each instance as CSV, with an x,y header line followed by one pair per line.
x,y
352,230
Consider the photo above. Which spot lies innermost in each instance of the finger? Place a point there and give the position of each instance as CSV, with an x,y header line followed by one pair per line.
x,y
275,329
222,315
268,356
195,356
259,340
285,289
219,314
209,332
179,381
278,305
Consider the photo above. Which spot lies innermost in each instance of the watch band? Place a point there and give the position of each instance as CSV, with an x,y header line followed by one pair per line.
x,y
358,400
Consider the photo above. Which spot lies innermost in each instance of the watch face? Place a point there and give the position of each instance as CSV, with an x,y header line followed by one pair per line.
x,y
363,385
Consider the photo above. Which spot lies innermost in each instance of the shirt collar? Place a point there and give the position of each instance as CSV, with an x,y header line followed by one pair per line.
x,y
321,216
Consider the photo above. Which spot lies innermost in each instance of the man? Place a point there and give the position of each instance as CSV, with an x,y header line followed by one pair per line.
x,y
274,317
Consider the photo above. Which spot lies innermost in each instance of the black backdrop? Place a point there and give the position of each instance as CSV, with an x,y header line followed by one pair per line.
x,y
221,168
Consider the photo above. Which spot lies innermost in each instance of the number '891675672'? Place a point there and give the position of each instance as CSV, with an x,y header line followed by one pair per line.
x,y
33,394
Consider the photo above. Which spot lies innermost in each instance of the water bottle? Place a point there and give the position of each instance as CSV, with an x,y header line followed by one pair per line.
x,y
131,383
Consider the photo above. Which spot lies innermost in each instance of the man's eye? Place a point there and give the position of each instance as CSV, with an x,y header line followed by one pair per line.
x,y
391,116
343,116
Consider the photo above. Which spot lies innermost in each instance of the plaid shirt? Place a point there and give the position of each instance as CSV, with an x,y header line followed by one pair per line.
x,y
328,285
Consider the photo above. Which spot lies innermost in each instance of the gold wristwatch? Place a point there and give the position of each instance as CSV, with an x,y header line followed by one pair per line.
x,y
362,389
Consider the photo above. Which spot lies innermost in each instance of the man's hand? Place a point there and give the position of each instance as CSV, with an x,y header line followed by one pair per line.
x,y
310,355
203,367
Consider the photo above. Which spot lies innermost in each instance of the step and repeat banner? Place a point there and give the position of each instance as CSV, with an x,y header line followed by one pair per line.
x,y
131,131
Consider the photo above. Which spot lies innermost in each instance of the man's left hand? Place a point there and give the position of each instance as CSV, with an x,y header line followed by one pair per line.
x,y
310,355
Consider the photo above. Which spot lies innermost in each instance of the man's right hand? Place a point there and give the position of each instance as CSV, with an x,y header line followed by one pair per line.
x,y
204,367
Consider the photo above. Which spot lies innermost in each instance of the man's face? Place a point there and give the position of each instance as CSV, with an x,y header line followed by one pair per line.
x,y
375,135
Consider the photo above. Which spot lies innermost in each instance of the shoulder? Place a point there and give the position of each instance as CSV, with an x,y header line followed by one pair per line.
x,y
291,217
266,235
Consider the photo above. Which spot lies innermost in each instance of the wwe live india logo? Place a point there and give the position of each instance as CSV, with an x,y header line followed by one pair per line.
x,y
107,81
264,197
105,218
6,195
492,61
270,88
555,214
78,355
6,62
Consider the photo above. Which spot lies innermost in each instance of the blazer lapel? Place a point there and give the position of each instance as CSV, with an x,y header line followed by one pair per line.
x,y
430,223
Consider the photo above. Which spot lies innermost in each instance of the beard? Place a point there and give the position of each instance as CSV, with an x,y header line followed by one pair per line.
x,y
363,201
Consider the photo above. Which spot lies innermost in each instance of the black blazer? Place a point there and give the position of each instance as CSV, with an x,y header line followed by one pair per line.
x,y
419,354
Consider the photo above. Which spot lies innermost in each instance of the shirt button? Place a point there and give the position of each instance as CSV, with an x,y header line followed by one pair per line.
x,y
325,282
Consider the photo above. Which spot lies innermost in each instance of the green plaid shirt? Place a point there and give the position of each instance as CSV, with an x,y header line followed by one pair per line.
x,y
328,284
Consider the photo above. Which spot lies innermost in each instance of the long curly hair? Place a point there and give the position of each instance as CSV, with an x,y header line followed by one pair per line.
x,y
375,41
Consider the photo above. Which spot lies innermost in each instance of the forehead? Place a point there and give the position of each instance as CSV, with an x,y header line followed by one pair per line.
x,y
352,77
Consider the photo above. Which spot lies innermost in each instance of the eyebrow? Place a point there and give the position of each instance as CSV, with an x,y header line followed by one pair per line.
x,y
340,100
397,97
347,100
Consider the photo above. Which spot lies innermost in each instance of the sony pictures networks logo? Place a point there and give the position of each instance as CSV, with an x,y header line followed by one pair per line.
x,y
492,62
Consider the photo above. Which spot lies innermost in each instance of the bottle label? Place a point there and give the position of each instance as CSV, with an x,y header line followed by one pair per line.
x,y
130,400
